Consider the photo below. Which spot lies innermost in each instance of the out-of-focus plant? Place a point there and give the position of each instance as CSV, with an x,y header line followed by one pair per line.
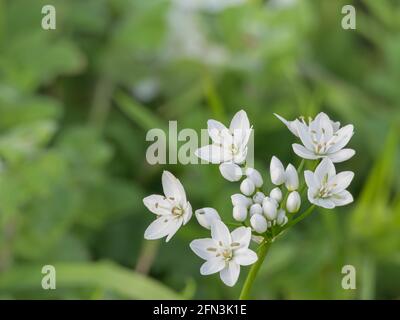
x,y
76,102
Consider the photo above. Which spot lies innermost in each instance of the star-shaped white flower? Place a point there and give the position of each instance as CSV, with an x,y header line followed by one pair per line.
x,y
225,252
321,138
326,188
172,210
228,145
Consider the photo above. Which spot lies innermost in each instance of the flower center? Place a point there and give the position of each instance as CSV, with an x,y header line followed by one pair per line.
x,y
177,211
227,254
234,149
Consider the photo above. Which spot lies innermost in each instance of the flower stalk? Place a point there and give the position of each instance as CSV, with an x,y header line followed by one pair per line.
x,y
251,277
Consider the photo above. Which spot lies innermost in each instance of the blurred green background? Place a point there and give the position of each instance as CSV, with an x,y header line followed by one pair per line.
x,y
76,103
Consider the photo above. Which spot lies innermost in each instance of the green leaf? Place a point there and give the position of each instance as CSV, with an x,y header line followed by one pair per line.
x,y
106,275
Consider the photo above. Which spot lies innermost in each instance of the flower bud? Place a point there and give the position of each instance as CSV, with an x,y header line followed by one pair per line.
x,y
259,197
256,209
293,202
255,176
277,171
270,207
276,194
257,239
240,200
247,187
239,213
205,216
281,219
292,178
258,223
231,171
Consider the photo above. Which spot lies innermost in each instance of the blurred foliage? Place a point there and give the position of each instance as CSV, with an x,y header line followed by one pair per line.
x,y
76,103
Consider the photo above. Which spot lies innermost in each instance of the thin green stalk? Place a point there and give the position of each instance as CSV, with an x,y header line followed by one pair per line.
x,y
304,215
248,284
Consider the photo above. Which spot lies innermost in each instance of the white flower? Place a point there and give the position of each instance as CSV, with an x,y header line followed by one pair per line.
x,y
276,194
322,138
258,223
241,200
277,171
292,125
326,188
225,252
247,187
172,210
293,202
255,176
256,209
292,178
228,145
281,219
205,216
258,197
270,208
239,213
231,171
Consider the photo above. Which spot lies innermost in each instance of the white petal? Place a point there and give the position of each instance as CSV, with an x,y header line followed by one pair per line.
x,y
343,137
230,171
270,207
281,219
247,187
187,215
158,204
311,180
292,178
258,223
342,198
256,209
211,153
172,187
212,266
201,246
325,203
230,274
160,227
305,136
342,155
276,194
240,121
277,171
302,152
220,232
239,213
325,170
293,202
205,216
342,180
175,225
241,235
326,128
258,197
291,125
239,199
255,176
245,257
215,129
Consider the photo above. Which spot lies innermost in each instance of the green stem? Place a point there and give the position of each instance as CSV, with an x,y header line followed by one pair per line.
x,y
304,215
248,284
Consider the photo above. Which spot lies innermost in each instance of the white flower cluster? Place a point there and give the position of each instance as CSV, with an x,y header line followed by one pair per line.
x,y
262,215
265,211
